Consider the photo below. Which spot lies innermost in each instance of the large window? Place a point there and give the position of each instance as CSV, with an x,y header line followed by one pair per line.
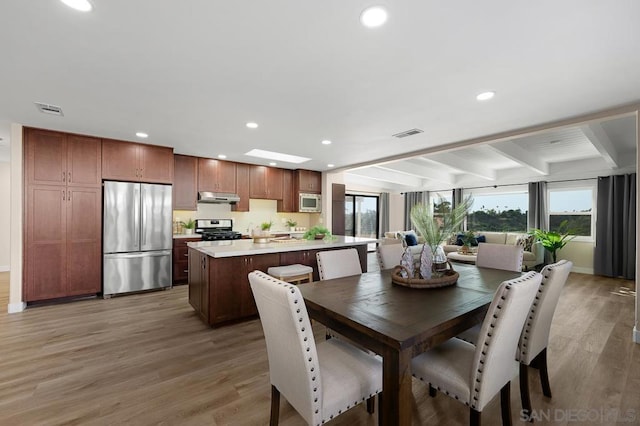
x,y
571,210
361,216
499,211
441,202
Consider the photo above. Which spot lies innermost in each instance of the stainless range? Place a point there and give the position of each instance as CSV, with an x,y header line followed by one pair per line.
x,y
216,229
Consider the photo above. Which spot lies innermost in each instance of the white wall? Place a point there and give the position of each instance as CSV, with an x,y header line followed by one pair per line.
x,y
15,277
5,216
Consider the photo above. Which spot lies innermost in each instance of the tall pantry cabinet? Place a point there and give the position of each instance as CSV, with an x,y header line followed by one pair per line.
x,y
63,209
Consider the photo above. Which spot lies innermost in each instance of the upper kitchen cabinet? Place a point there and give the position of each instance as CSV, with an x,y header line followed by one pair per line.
x,y
308,181
56,158
265,182
287,204
185,182
242,181
129,161
216,175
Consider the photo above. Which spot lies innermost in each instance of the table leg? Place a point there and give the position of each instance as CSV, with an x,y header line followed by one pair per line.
x,y
396,388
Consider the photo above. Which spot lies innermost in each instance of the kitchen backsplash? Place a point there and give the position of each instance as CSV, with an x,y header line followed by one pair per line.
x,y
259,211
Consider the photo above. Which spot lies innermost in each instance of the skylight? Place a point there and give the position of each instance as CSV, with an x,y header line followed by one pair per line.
x,y
277,156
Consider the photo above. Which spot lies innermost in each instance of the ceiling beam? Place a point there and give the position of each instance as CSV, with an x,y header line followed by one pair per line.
x,y
521,156
599,139
380,174
420,171
463,165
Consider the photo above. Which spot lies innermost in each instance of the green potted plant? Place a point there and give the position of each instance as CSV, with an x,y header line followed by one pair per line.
x,y
553,241
317,232
467,241
291,224
266,227
188,226
435,229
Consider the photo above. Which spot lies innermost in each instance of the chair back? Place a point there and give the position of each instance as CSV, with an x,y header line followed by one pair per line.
x,y
494,361
338,263
500,256
535,335
389,255
293,361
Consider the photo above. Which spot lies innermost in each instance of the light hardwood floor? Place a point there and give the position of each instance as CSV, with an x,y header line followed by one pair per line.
x,y
147,359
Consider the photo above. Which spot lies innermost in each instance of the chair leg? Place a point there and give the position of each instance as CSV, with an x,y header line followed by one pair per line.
x,y
371,405
275,406
474,417
524,391
544,373
432,391
505,404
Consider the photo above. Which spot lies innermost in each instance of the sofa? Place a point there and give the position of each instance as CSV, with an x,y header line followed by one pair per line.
x,y
530,259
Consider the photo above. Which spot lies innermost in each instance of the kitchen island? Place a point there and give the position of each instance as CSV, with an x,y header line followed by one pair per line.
x,y
219,288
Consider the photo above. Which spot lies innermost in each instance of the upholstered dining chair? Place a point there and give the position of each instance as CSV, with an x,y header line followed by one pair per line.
x,y
338,263
532,348
500,256
472,374
389,255
319,380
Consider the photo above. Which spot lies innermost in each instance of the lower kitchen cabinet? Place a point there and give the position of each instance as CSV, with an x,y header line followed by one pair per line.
x,y
181,259
199,283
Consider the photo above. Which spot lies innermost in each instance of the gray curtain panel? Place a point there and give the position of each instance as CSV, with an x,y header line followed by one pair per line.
x,y
537,217
456,197
615,252
384,213
410,200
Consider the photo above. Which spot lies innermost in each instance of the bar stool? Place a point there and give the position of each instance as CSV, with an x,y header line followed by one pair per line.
x,y
295,273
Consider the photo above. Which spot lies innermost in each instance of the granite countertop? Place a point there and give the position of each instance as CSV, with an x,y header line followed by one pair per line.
x,y
248,247
187,236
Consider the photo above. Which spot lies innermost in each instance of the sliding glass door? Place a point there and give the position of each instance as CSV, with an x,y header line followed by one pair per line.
x,y
362,216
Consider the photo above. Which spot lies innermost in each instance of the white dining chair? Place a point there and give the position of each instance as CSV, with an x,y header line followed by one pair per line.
x,y
500,256
389,255
472,374
532,348
338,263
321,381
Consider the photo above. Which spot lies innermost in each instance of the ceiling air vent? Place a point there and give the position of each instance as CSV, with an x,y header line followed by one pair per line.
x,y
49,109
408,133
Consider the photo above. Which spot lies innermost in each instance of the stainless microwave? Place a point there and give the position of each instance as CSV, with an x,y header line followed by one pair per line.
x,y
310,203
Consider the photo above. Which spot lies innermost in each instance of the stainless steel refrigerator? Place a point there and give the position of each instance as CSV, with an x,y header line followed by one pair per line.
x,y
137,237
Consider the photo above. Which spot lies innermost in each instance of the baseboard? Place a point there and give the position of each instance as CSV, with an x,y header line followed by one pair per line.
x,y
4,268
636,335
581,270
14,308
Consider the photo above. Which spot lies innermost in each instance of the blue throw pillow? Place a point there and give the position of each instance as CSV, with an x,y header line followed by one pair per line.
x,y
481,239
459,241
411,240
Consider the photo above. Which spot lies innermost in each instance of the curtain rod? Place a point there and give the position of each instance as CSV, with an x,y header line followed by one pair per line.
x,y
518,184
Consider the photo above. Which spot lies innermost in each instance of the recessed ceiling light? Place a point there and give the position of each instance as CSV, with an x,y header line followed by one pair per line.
x,y
330,165
81,5
485,96
142,135
252,125
273,163
373,16
269,155
326,142
222,156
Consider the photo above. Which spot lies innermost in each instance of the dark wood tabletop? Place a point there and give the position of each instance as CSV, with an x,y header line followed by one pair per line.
x,y
399,323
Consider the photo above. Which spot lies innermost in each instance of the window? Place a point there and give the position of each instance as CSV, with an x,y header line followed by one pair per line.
x,y
571,210
499,210
441,202
361,216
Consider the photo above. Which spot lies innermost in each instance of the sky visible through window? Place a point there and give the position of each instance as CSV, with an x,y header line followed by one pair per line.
x,y
501,202
575,200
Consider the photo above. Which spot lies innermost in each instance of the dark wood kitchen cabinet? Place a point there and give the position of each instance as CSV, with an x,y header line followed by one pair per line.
x,y
181,259
265,182
216,175
185,182
199,283
242,183
134,162
308,181
63,215
286,204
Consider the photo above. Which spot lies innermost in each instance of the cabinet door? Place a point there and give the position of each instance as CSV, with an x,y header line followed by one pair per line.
x,y
226,177
156,164
84,240
45,157
258,182
260,262
242,188
309,181
275,178
46,251
185,183
196,274
226,276
207,169
285,205
84,161
120,160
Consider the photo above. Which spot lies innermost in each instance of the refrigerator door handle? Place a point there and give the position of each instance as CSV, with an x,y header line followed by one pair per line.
x,y
138,254
143,220
136,216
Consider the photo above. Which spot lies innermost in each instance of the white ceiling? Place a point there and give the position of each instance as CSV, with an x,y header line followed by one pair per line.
x,y
191,74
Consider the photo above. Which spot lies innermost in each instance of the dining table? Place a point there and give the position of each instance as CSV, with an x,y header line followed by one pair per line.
x,y
398,322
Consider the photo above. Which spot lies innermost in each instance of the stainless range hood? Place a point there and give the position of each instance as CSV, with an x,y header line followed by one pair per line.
x,y
217,197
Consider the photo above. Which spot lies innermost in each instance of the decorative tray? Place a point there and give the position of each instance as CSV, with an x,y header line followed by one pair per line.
x,y
442,278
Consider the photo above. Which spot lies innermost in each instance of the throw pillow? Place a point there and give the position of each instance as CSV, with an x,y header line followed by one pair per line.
x,y
481,239
526,241
459,240
411,240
